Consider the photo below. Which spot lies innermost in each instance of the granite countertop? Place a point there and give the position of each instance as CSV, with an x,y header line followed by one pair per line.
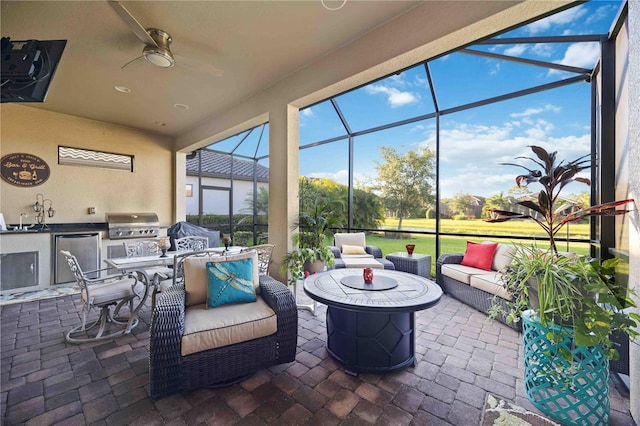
x,y
57,228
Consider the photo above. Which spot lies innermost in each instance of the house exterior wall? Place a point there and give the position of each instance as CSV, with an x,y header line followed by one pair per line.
x,y
213,203
633,139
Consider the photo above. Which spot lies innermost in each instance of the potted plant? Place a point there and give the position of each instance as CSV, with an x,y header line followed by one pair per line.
x,y
311,253
569,304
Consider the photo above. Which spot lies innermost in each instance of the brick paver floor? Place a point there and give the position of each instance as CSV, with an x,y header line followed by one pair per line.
x,y
461,358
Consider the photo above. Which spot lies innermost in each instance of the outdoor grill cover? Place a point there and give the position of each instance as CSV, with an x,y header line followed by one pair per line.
x,y
186,229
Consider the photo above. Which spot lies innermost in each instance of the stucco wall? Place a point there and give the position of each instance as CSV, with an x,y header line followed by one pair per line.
x,y
73,189
634,192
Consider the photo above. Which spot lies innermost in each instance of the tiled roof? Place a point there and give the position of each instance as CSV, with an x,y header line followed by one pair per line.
x,y
218,165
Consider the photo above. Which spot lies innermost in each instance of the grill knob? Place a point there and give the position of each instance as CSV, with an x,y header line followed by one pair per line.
x,y
119,233
130,232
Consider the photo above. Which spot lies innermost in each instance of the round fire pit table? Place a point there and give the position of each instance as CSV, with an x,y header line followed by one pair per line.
x,y
371,330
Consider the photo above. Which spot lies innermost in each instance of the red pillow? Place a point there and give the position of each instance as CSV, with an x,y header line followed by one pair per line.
x,y
479,255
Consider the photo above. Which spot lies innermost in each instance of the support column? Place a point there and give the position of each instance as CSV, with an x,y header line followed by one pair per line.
x,y
283,181
634,192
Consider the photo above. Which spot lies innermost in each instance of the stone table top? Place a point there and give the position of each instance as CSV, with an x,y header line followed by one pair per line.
x,y
413,292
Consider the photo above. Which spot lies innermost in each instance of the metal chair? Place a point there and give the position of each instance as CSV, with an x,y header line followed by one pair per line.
x,y
264,256
191,243
102,293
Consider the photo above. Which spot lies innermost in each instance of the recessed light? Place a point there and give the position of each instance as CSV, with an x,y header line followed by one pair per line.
x,y
181,106
122,89
160,123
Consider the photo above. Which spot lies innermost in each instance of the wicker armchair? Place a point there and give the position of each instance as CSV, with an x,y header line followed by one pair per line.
x,y
170,372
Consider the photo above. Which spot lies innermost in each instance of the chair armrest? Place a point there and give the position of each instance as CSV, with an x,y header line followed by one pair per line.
x,y
450,258
375,251
453,258
167,321
281,300
336,251
165,342
110,278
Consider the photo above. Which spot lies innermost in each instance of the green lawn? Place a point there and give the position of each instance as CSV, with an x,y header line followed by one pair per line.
x,y
478,226
449,244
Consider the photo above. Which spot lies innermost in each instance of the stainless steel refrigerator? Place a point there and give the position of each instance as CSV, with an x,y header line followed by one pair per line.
x,y
85,247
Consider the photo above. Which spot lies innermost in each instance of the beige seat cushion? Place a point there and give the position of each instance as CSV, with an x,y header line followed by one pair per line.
x,y
196,280
502,257
460,272
353,239
361,261
116,290
226,325
491,283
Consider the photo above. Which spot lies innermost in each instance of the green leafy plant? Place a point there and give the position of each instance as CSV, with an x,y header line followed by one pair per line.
x,y
569,289
551,213
313,228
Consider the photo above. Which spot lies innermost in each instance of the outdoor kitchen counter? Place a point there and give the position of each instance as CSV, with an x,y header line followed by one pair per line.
x,y
57,228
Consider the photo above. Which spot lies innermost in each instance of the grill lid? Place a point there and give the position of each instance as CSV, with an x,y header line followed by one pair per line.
x,y
132,225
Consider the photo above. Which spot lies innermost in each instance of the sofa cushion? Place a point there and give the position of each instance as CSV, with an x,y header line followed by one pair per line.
x,y
460,272
230,282
347,249
361,261
196,280
353,239
502,257
226,325
479,255
491,283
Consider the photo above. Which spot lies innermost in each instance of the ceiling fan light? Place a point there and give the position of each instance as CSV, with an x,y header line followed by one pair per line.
x,y
159,58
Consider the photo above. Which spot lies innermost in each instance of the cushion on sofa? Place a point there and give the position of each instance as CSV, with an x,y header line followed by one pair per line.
x,y
352,239
479,255
502,257
491,283
460,272
196,280
226,325
347,249
230,282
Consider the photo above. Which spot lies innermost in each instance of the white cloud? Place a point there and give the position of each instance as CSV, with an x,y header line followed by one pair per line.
x,y
516,50
307,112
341,176
534,111
583,55
544,50
563,18
395,97
495,70
472,154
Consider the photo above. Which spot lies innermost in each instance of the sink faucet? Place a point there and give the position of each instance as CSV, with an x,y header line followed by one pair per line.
x,y
21,216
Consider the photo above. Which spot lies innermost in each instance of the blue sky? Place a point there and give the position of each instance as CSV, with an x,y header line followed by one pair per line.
x,y
475,141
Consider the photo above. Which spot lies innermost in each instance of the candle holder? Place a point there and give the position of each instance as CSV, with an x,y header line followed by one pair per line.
x,y
367,274
226,240
163,245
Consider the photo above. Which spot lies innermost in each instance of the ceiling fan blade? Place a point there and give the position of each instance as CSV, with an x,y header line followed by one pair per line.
x,y
131,61
133,23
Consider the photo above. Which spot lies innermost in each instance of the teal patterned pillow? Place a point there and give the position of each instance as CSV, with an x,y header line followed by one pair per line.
x,y
230,282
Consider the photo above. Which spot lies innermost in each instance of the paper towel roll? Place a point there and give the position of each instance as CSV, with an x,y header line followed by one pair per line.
x,y
3,225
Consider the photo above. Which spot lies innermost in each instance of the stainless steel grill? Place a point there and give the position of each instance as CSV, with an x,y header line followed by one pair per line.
x,y
132,225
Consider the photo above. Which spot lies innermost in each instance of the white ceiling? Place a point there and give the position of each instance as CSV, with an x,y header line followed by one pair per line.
x,y
256,43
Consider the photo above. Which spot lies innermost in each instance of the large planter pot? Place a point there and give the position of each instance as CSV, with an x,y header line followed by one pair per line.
x,y
572,391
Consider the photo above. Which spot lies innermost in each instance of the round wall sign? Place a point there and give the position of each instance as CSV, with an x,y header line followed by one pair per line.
x,y
24,170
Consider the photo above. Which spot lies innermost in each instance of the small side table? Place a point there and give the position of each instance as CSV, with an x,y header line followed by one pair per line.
x,y
417,264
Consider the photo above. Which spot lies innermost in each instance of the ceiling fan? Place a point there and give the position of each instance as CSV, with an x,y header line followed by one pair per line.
x,y
156,50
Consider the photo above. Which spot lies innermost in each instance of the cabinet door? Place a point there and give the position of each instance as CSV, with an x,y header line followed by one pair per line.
x,y
18,270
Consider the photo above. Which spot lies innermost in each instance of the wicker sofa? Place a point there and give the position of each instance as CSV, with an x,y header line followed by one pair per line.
x,y
184,357
476,287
